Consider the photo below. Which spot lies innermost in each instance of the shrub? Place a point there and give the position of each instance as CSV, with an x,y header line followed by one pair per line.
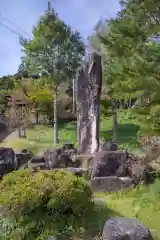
x,y
45,203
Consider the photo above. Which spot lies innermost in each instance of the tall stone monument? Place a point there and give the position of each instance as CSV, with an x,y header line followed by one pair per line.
x,y
89,83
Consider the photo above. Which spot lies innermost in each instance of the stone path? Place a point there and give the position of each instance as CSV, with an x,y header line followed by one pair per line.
x,y
11,136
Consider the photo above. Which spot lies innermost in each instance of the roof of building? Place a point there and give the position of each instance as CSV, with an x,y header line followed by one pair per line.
x,y
19,97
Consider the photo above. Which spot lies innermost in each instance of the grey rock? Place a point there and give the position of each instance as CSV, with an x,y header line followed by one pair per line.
x,y
79,172
52,157
108,146
8,160
120,228
106,163
143,173
23,156
57,158
37,159
65,160
2,167
26,151
37,162
125,169
110,183
36,166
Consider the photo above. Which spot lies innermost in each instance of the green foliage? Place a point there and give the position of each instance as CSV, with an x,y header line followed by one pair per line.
x,y
6,82
105,108
55,49
6,85
7,227
132,59
45,203
40,92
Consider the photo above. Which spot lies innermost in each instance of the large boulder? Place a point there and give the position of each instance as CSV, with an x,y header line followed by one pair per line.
x,y
51,157
65,160
107,163
155,164
8,160
23,156
108,146
110,183
143,173
68,148
57,158
120,228
37,166
37,162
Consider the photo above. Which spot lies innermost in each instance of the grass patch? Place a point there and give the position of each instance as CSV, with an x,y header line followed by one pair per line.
x,y
127,131
40,137
142,203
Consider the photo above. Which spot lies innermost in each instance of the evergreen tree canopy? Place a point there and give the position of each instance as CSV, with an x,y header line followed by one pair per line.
x,y
132,59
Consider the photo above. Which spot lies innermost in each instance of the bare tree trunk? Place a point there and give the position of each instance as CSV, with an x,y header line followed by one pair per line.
x,y
37,117
74,97
56,140
19,130
23,130
115,127
115,122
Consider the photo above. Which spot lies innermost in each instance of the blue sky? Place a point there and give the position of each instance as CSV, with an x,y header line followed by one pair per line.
x,y
81,15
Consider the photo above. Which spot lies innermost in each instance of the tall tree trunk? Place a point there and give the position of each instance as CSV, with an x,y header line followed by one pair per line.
x,y
56,140
115,123
37,116
19,131
74,97
115,127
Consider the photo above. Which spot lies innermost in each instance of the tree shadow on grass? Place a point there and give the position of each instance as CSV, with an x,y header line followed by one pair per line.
x,y
127,134
61,124
97,220
5,132
93,224
42,134
67,124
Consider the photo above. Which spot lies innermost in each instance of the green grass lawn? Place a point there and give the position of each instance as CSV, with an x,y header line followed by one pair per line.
x,y
40,136
127,131
142,203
